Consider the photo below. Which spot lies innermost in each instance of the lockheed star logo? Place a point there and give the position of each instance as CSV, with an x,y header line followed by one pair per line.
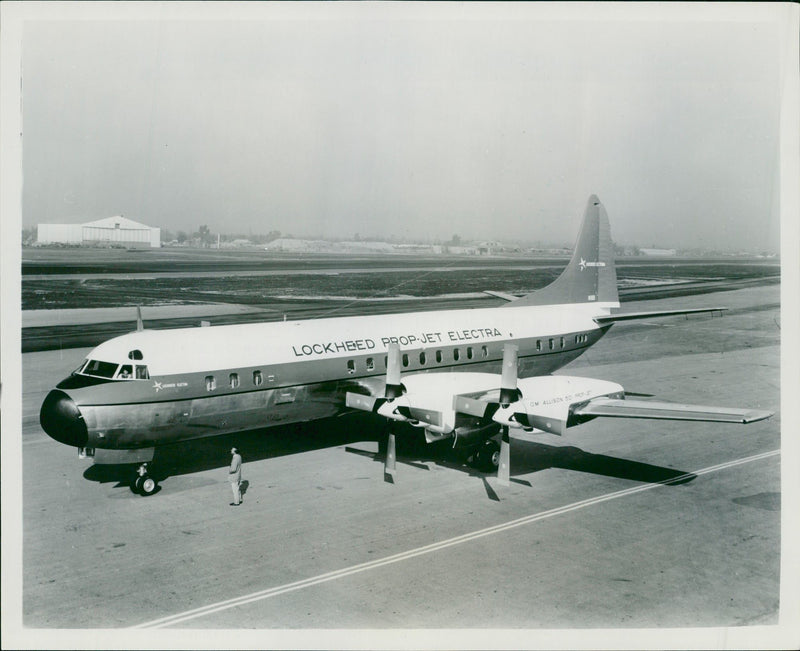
x,y
157,386
583,264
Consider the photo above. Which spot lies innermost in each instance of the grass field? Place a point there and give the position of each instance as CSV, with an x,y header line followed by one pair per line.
x,y
99,277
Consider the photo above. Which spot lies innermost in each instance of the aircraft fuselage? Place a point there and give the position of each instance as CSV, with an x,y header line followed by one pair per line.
x,y
216,380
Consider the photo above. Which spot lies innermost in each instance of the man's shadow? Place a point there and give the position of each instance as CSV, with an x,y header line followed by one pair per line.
x,y
244,486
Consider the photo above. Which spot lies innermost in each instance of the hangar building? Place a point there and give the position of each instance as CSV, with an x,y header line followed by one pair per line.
x,y
103,232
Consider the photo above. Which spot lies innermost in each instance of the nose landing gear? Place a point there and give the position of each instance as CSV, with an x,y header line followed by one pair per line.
x,y
143,483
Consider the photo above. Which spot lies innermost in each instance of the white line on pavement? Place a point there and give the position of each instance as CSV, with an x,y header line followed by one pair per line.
x,y
178,618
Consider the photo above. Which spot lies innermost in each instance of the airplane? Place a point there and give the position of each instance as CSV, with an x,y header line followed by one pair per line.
x,y
467,375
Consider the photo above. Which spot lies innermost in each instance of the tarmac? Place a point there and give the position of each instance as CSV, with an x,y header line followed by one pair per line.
x,y
619,524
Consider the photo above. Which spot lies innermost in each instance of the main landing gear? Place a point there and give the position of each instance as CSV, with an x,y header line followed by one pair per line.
x,y
487,456
143,483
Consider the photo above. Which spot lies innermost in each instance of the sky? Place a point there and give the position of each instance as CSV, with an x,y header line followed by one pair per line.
x,y
411,120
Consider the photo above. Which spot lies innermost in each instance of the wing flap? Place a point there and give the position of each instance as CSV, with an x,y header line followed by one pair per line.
x,y
615,408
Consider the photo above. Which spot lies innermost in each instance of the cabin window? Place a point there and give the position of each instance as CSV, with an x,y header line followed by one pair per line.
x,y
562,342
422,358
211,383
142,373
385,361
551,344
370,364
484,351
405,359
456,354
438,356
234,379
257,378
351,366
469,352
100,369
538,344
135,354
125,372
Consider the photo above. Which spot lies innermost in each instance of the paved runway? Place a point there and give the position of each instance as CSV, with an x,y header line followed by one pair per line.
x,y
619,524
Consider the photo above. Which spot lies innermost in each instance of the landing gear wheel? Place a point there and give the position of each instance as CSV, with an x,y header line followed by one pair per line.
x,y
146,485
488,456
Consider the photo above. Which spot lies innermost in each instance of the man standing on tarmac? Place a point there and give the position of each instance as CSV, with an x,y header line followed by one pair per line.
x,y
235,476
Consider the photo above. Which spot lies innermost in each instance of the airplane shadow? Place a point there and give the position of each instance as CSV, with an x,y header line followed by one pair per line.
x,y
212,453
530,457
412,451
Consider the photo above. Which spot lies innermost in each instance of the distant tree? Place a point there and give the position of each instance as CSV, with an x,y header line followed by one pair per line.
x,y
204,235
455,240
181,237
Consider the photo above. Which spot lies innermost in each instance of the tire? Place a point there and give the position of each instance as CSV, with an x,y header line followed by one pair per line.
x,y
147,485
489,455
136,486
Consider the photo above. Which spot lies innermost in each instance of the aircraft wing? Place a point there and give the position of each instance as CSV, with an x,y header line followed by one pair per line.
x,y
630,316
616,408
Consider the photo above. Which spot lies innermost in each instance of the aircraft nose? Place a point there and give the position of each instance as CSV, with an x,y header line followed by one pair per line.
x,y
62,420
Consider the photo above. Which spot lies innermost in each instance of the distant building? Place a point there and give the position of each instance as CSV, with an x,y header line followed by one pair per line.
x,y
661,252
103,232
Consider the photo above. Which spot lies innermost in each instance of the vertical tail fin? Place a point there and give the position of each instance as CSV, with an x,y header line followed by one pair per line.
x,y
590,276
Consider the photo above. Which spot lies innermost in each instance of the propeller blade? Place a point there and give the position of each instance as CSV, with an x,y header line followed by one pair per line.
x,y
473,406
508,379
389,464
504,467
393,386
139,324
365,403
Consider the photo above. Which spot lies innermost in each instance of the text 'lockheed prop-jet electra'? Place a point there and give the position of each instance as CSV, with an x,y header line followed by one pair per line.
x,y
466,375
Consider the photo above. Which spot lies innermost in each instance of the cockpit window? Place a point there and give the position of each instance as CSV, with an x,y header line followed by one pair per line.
x,y
135,354
100,369
125,372
142,373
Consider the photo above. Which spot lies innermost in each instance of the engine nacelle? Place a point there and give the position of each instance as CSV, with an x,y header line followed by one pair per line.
x,y
547,401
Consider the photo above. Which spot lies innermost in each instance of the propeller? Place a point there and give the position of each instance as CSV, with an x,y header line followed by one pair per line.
x,y
139,324
393,390
386,405
508,394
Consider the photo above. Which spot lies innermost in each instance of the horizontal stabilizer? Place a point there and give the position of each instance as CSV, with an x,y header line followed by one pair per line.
x,y
503,295
613,318
667,411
